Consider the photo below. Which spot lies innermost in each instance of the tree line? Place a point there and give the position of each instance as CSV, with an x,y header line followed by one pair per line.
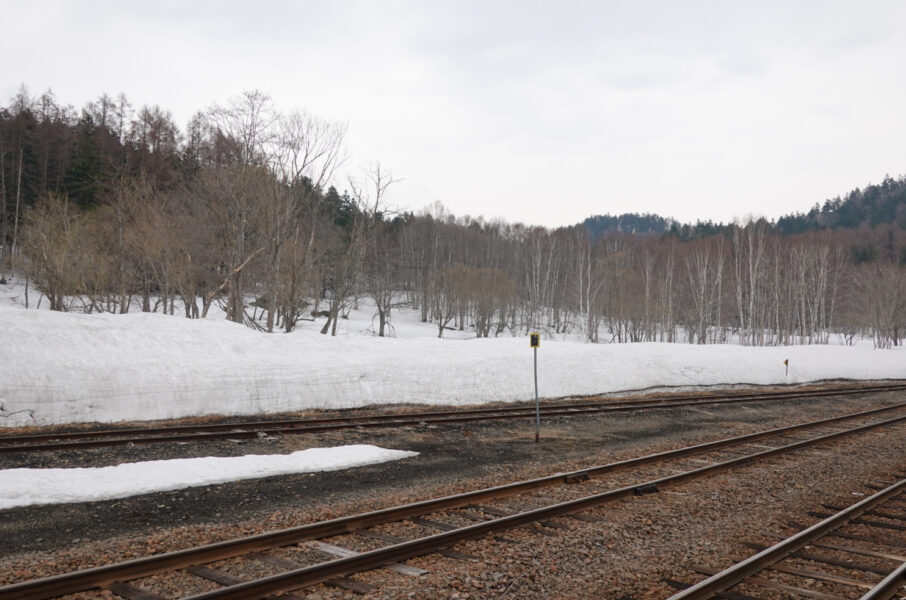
x,y
110,208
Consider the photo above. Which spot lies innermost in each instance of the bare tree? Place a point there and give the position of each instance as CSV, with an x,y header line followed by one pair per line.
x,y
5,249
667,291
423,257
450,285
306,153
230,200
749,245
52,237
247,123
366,211
704,267
491,291
591,284
883,299
382,281
232,192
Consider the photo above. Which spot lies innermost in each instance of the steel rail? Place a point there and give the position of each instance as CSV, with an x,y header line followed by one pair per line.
x,y
737,573
848,389
306,576
54,586
889,586
353,420
245,430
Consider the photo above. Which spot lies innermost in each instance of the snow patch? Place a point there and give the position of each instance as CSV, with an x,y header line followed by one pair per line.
x,y
22,487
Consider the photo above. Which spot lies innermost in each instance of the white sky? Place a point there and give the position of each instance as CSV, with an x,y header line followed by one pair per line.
x,y
543,113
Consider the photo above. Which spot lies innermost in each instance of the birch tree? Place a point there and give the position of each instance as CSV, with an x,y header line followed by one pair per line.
x,y
704,269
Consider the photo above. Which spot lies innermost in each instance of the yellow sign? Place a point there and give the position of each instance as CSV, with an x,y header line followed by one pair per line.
x,y
535,340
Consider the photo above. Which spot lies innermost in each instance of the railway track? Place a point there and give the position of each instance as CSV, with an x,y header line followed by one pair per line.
x,y
859,551
385,538
83,440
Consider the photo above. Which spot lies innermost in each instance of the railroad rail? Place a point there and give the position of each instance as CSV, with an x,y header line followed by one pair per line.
x,y
856,539
83,440
457,518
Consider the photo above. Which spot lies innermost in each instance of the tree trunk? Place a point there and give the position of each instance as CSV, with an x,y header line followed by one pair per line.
x,y
4,225
12,249
146,297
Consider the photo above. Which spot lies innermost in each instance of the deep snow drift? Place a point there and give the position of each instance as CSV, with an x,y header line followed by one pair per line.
x,y
67,367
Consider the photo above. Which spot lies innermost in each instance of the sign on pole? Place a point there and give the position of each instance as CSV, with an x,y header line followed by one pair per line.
x,y
535,343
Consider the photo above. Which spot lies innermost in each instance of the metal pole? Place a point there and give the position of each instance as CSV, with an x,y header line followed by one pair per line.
x,y
537,407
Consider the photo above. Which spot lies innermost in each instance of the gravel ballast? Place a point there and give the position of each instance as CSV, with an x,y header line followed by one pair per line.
x,y
625,553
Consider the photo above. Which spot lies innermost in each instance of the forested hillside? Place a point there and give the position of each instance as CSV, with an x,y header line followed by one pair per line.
x,y
646,224
878,212
113,207
871,206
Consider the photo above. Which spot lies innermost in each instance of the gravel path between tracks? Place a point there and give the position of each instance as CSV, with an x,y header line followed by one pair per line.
x,y
623,555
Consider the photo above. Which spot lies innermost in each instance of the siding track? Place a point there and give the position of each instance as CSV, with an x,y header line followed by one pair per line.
x,y
83,440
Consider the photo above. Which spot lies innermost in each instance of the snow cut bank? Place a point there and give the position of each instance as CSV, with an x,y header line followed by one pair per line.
x,y
69,368
22,487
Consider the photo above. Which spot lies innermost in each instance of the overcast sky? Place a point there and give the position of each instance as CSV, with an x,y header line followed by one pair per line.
x,y
543,113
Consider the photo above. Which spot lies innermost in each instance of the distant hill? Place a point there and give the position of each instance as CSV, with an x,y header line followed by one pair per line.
x,y
874,205
646,224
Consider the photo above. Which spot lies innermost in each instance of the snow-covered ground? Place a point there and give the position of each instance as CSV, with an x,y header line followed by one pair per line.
x,y
68,367
21,487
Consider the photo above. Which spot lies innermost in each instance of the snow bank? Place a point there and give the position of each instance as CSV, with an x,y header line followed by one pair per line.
x,y
21,487
66,368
